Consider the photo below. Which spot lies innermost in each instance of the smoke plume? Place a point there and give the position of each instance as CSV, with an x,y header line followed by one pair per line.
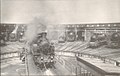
x,y
36,26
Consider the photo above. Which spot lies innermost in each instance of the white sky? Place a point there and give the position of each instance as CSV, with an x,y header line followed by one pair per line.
x,y
60,11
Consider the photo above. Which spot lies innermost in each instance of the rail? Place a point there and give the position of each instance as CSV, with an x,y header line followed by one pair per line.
x,y
68,65
9,55
66,53
73,54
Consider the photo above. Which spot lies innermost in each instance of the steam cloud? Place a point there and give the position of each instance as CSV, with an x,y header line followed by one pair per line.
x,y
36,26
43,21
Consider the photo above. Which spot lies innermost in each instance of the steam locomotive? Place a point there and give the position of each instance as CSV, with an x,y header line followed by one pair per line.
x,y
114,41
43,52
17,33
97,39
70,36
2,38
3,34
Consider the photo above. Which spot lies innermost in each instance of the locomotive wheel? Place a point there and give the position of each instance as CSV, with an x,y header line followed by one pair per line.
x,y
41,66
52,65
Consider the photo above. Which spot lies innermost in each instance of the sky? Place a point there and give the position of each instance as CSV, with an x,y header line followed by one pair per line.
x,y
60,11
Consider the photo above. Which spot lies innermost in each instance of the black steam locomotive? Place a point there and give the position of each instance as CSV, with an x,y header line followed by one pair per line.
x,y
2,38
43,52
97,39
2,35
17,33
114,41
70,36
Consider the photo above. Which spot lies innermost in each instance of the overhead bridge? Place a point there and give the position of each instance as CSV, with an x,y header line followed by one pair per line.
x,y
91,65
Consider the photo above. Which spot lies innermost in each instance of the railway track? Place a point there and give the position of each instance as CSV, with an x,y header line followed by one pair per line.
x,y
9,55
70,51
73,54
